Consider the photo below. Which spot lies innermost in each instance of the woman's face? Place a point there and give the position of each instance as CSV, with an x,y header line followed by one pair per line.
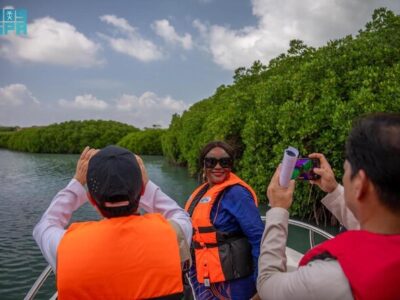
x,y
217,164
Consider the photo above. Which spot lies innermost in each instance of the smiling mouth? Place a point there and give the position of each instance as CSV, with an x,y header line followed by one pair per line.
x,y
218,173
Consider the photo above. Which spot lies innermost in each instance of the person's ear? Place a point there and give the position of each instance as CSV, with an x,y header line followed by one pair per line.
x,y
361,184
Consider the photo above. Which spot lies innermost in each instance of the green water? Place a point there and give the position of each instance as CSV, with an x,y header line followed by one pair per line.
x,y
28,182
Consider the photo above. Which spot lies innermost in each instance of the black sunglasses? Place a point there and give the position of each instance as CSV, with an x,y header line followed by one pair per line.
x,y
211,162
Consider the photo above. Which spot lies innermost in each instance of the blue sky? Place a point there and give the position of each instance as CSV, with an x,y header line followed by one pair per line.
x,y
140,61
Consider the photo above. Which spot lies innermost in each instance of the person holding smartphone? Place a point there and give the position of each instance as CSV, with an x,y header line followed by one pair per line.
x,y
356,264
227,229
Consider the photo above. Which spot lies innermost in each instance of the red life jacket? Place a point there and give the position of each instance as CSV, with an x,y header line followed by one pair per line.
x,y
209,244
134,257
370,261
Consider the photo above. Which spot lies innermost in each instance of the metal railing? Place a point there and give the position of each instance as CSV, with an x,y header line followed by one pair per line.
x,y
38,284
312,230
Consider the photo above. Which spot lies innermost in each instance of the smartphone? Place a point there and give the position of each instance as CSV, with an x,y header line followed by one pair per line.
x,y
303,169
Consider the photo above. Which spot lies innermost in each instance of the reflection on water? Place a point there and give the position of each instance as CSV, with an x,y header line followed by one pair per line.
x,y
28,182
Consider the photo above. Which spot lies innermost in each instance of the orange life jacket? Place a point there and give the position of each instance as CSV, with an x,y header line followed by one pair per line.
x,y
134,257
370,261
213,249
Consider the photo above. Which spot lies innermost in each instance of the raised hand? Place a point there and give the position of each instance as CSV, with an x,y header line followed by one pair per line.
x,y
145,177
327,182
83,162
279,196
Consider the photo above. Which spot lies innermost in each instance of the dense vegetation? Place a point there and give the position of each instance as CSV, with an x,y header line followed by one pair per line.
x,y
306,98
73,136
146,142
67,137
7,128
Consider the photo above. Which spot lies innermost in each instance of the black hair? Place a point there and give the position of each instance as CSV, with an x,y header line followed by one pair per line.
x,y
374,146
214,144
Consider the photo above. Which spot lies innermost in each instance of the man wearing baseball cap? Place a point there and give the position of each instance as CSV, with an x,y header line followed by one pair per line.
x,y
125,255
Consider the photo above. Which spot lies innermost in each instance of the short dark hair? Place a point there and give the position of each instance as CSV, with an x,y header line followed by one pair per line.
x,y
214,144
374,146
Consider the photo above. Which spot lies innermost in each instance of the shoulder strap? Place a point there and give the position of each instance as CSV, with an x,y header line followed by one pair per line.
x,y
196,199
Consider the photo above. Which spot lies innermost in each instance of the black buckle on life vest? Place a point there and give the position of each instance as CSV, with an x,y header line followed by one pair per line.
x,y
198,245
207,229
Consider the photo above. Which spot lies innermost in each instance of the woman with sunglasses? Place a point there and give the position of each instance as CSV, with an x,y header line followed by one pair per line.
x,y
227,229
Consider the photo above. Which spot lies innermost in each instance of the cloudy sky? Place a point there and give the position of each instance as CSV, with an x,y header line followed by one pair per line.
x,y
140,61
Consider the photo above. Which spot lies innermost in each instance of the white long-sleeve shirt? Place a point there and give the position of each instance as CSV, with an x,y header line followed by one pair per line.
x,y
319,279
335,203
51,227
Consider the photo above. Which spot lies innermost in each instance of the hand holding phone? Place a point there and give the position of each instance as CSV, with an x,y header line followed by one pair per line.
x,y
304,169
327,181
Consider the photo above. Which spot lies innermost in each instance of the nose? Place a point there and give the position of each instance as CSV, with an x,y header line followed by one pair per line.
x,y
218,166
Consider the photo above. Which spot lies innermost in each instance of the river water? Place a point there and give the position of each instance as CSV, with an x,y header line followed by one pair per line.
x,y
28,183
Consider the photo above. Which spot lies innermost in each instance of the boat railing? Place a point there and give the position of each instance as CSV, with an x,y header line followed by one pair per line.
x,y
312,232
38,284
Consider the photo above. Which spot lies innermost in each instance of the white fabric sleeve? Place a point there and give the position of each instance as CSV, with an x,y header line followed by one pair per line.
x,y
156,201
50,229
335,203
320,279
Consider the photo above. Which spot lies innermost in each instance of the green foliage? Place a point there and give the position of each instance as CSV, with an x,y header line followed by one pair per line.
x,y
67,137
307,98
25,140
169,141
146,142
7,128
4,137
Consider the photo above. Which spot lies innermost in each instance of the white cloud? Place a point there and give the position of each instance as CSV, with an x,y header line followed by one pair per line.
x,y
201,27
19,107
235,48
314,22
119,23
132,43
51,42
87,102
16,95
149,108
149,101
165,30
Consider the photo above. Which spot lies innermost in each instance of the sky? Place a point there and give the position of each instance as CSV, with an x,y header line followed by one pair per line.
x,y
140,61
